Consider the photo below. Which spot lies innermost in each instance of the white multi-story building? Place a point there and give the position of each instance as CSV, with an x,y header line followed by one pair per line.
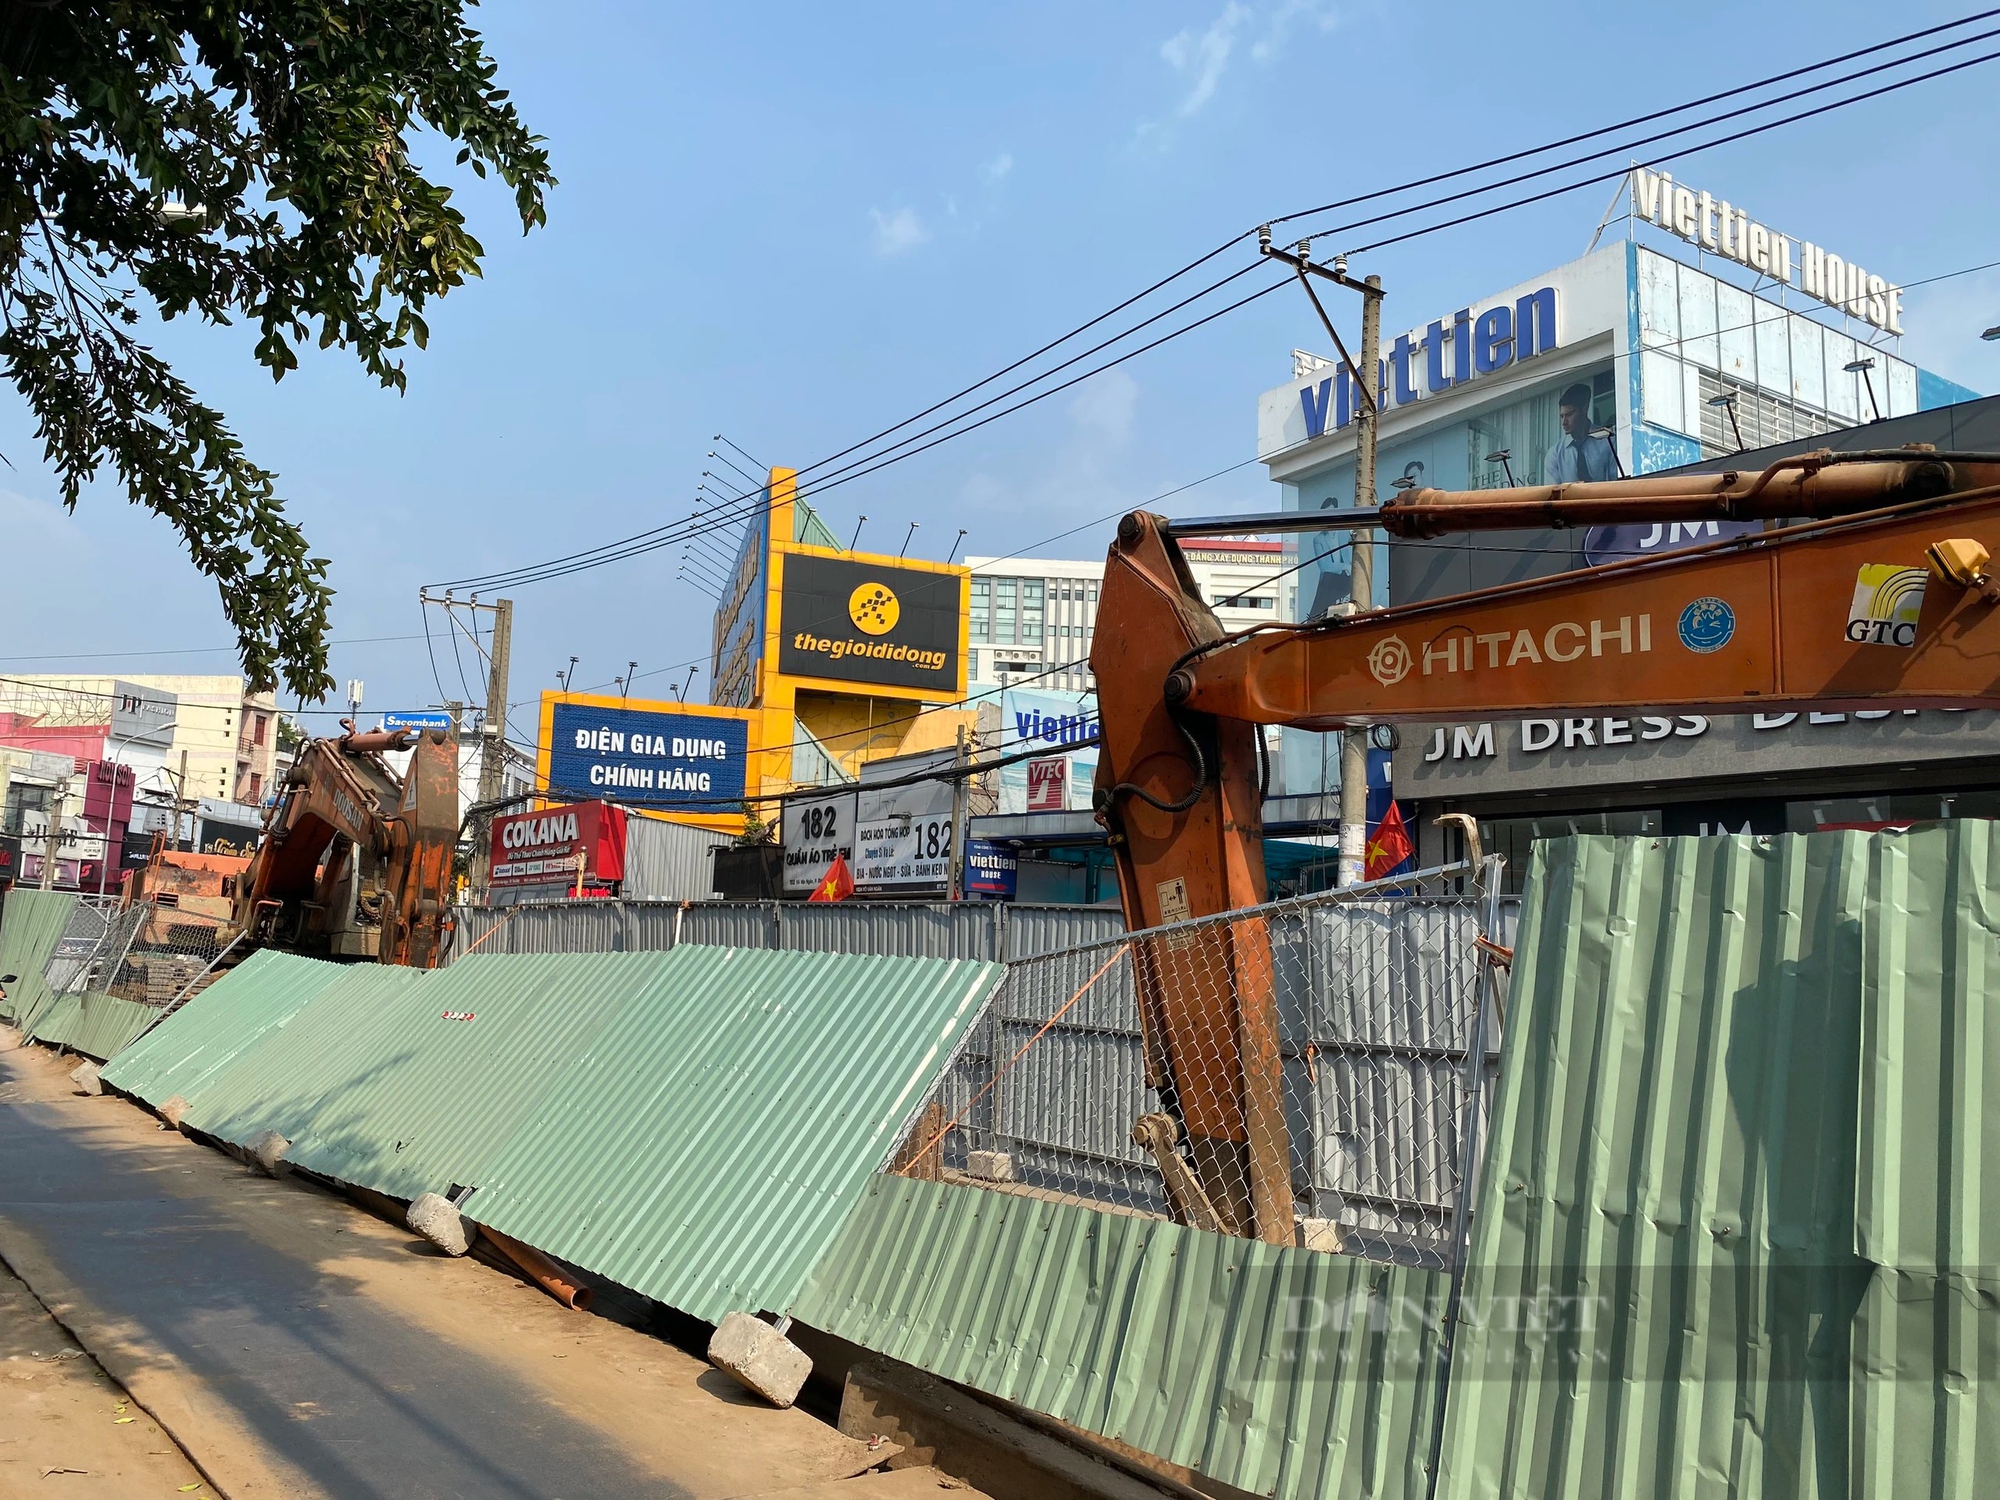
x,y
1035,617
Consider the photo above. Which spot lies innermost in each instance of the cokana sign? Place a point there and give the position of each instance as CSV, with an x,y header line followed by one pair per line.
x,y
1721,228
1443,356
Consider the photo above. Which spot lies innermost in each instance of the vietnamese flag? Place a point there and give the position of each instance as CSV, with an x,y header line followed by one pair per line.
x,y
1390,846
838,884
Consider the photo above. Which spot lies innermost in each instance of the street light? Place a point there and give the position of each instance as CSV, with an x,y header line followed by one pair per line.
x,y
104,861
1727,402
1992,333
1610,441
1861,367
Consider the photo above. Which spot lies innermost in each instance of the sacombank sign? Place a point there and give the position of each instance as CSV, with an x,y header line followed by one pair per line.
x,y
1443,356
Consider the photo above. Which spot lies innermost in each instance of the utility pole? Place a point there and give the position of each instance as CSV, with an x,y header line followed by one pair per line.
x,y
960,802
1361,570
493,743
1366,383
54,845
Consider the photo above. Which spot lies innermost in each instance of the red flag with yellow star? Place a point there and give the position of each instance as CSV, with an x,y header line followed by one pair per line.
x,y
838,883
1390,846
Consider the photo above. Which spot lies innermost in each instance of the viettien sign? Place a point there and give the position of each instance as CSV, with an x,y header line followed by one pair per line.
x,y
1445,355
542,848
992,871
658,757
873,621
1721,228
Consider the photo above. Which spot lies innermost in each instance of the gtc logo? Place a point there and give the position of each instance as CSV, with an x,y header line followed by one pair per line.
x,y
1390,660
874,609
1887,602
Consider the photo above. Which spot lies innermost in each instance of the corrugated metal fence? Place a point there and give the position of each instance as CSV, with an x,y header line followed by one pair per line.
x,y
990,931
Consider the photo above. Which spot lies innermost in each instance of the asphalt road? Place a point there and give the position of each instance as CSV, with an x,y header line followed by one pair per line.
x,y
295,1345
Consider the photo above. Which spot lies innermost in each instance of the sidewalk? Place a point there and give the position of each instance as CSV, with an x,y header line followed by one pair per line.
x,y
294,1345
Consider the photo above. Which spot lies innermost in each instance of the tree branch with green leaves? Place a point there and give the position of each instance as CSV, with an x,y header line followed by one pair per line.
x,y
231,162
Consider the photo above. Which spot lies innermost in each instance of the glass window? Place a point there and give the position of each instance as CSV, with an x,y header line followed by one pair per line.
x,y
982,610
1004,590
1032,593
1698,343
1093,593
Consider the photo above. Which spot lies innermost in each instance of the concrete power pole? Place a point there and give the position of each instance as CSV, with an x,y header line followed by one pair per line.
x,y
53,847
1361,565
493,744
1366,381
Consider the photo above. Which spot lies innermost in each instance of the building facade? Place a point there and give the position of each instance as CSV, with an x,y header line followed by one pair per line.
x,y
1699,336
1033,618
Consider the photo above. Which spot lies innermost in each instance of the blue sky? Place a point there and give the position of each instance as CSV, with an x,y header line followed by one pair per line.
x,y
796,224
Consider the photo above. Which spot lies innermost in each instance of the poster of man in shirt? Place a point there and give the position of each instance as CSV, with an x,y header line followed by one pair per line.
x,y
1577,454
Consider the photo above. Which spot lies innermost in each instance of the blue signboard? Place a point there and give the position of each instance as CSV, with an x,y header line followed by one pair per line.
x,y
1605,544
675,762
991,870
427,718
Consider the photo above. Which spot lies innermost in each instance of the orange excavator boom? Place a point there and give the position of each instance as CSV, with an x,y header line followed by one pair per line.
x,y
1883,596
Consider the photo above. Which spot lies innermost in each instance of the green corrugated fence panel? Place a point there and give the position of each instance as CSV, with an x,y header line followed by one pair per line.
x,y
694,1124
1929,1192
31,924
188,1050
1276,1370
1670,1292
278,1081
427,1089
55,1020
706,1146
108,1024
1927,1210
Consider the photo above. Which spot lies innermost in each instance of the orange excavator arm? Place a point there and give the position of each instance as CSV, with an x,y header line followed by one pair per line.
x,y
355,860
1881,598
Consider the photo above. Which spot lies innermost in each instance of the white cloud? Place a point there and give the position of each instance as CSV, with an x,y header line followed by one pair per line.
x,y
1202,56
999,167
899,232
1278,25
1103,409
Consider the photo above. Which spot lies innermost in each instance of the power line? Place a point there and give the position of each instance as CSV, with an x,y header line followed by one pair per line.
x,y
874,463
1745,134
1645,119
1628,146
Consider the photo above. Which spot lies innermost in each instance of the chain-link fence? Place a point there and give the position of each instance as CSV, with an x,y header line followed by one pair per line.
x,y
149,954
1308,1073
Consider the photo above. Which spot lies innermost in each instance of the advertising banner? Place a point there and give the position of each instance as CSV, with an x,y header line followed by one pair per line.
x,y
1048,784
1030,717
991,870
872,621
75,840
816,829
902,836
143,715
421,718
662,757
541,848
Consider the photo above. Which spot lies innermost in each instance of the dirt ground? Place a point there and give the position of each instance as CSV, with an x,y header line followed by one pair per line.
x,y
66,1428
271,1338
